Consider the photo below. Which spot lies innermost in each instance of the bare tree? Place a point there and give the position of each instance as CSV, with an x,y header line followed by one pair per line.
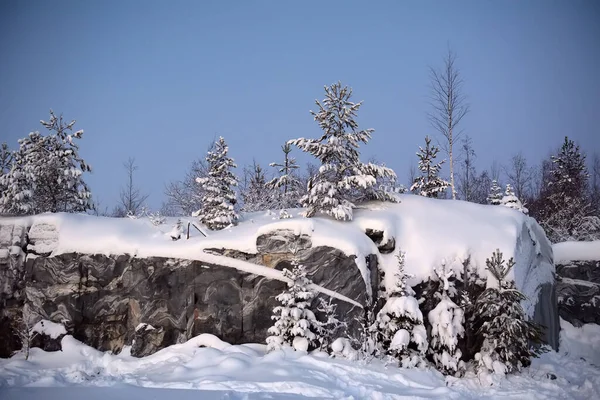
x,y
131,199
449,106
519,174
595,183
412,173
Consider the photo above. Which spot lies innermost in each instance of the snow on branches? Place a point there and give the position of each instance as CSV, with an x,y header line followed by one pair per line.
x,y
295,324
342,180
219,198
429,184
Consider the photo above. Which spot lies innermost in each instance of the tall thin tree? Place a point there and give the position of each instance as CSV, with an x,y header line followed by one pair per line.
x,y
448,107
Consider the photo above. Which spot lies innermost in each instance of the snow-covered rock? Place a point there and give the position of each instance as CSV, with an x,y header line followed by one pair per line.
x,y
218,281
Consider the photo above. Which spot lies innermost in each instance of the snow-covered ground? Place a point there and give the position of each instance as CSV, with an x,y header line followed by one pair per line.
x,y
207,368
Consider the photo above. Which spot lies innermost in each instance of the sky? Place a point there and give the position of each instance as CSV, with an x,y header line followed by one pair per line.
x,y
159,80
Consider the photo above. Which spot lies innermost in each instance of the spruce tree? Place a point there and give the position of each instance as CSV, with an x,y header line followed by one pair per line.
x,y
511,201
495,195
287,182
507,335
399,323
567,214
342,180
256,195
295,324
219,198
447,326
429,184
46,174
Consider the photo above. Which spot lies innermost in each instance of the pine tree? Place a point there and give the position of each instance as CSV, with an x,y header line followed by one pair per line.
x,y
429,184
6,160
567,214
342,180
295,324
399,323
219,198
447,326
256,195
287,182
511,201
501,320
495,196
46,172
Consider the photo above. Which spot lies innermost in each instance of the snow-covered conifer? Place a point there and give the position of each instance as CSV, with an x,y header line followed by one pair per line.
x,y
219,198
295,324
46,172
287,182
256,195
511,201
507,335
447,326
495,196
342,180
429,183
399,323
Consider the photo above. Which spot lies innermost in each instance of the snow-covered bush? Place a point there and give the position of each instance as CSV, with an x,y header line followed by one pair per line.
x,y
429,184
399,323
342,180
511,201
495,195
507,335
217,211
295,324
447,326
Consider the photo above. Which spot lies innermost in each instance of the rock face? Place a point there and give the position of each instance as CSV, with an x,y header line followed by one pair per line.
x,y
578,288
103,299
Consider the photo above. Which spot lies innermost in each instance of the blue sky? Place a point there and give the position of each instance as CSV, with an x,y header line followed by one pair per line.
x,y
158,80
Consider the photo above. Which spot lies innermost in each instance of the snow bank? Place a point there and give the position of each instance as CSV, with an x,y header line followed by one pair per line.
x,y
581,342
576,251
207,366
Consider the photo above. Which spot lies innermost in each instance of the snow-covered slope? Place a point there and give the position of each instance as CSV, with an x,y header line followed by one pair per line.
x,y
221,371
576,251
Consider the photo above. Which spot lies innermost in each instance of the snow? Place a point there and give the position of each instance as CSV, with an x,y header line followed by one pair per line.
x,y
428,230
583,342
49,328
576,251
207,368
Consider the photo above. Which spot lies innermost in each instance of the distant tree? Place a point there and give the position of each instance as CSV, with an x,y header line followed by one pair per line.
x,y
449,107
467,178
131,198
47,172
412,174
567,214
219,198
429,183
295,324
342,178
519,175
595,185
507,333
287,182
480,193
256,194
6,159
495,195
184,196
